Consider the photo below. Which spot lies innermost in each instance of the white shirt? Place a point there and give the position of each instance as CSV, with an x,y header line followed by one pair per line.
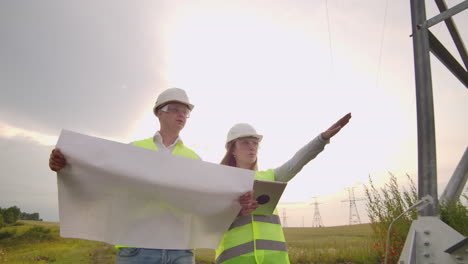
x,y
158,141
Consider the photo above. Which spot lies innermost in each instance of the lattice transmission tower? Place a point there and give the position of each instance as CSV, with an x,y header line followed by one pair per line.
x,y
353,212
317,222
284,217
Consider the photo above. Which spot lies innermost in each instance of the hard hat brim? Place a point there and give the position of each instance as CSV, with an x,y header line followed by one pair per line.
x,y
260,137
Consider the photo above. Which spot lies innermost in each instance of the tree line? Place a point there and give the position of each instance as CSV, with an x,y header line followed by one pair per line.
x,y
12,214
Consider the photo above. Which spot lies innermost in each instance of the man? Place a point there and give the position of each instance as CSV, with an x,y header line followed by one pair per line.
x,y
172,108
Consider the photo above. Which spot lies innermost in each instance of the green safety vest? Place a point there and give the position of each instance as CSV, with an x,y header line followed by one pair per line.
x,y
254,239
179,150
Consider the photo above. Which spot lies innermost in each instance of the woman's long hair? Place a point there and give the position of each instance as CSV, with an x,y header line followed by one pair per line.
x,y
230,160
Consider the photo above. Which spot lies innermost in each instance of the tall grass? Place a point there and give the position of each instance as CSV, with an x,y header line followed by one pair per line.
x,y
387,203
455,214
383,207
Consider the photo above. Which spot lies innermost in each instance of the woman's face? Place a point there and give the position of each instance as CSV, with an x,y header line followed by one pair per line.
x,y
245,151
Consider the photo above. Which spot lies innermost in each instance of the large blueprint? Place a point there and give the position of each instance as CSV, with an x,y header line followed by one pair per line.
x,y
125,195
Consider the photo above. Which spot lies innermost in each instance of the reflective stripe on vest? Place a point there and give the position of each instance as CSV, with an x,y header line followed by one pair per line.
x,y
249,247
245,220
179,150
254,238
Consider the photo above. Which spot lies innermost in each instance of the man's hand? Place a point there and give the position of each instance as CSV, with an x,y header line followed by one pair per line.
x,y
247,203
335,128
57,161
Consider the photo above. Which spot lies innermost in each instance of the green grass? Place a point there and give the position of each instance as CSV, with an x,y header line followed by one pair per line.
x,y
340,244
39,242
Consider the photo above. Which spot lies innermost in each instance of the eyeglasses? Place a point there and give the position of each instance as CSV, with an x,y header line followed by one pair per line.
x,y
169,108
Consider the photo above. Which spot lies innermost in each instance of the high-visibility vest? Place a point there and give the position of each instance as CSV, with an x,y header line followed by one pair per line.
x,y
254,239
179,150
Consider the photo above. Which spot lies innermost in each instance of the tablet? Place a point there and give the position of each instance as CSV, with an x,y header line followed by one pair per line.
x,y
267,194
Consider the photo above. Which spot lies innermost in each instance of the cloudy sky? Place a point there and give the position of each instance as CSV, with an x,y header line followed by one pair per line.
x,y
289,68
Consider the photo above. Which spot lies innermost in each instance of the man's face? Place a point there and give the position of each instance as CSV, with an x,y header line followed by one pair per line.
x,y
173,116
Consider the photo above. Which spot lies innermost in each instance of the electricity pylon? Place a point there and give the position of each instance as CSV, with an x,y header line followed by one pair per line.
x,y
317,222
284,218
353,212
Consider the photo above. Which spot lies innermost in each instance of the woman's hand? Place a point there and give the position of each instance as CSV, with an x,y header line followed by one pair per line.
x,y
56,160
335,128
247,203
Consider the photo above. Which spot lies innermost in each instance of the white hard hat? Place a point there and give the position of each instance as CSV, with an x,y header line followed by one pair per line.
x,y
242,130
173,95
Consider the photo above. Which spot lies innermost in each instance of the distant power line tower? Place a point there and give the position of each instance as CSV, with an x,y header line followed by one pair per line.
x,y
284,218
353,212
317,222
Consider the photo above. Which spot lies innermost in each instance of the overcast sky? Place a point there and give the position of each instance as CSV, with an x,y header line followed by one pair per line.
x,y
289,68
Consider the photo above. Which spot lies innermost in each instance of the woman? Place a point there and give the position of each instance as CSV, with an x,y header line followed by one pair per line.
x,y
256,239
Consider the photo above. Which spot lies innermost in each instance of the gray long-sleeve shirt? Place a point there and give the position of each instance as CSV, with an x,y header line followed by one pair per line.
x,y
288,170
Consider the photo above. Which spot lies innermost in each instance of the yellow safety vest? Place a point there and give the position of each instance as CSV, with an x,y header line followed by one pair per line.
x,y
179,150
254,239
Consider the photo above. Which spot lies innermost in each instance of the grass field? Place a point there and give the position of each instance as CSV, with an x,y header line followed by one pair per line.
x,y
39,242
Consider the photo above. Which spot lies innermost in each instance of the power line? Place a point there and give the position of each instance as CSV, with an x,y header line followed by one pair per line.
x,y
381,44
329,35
